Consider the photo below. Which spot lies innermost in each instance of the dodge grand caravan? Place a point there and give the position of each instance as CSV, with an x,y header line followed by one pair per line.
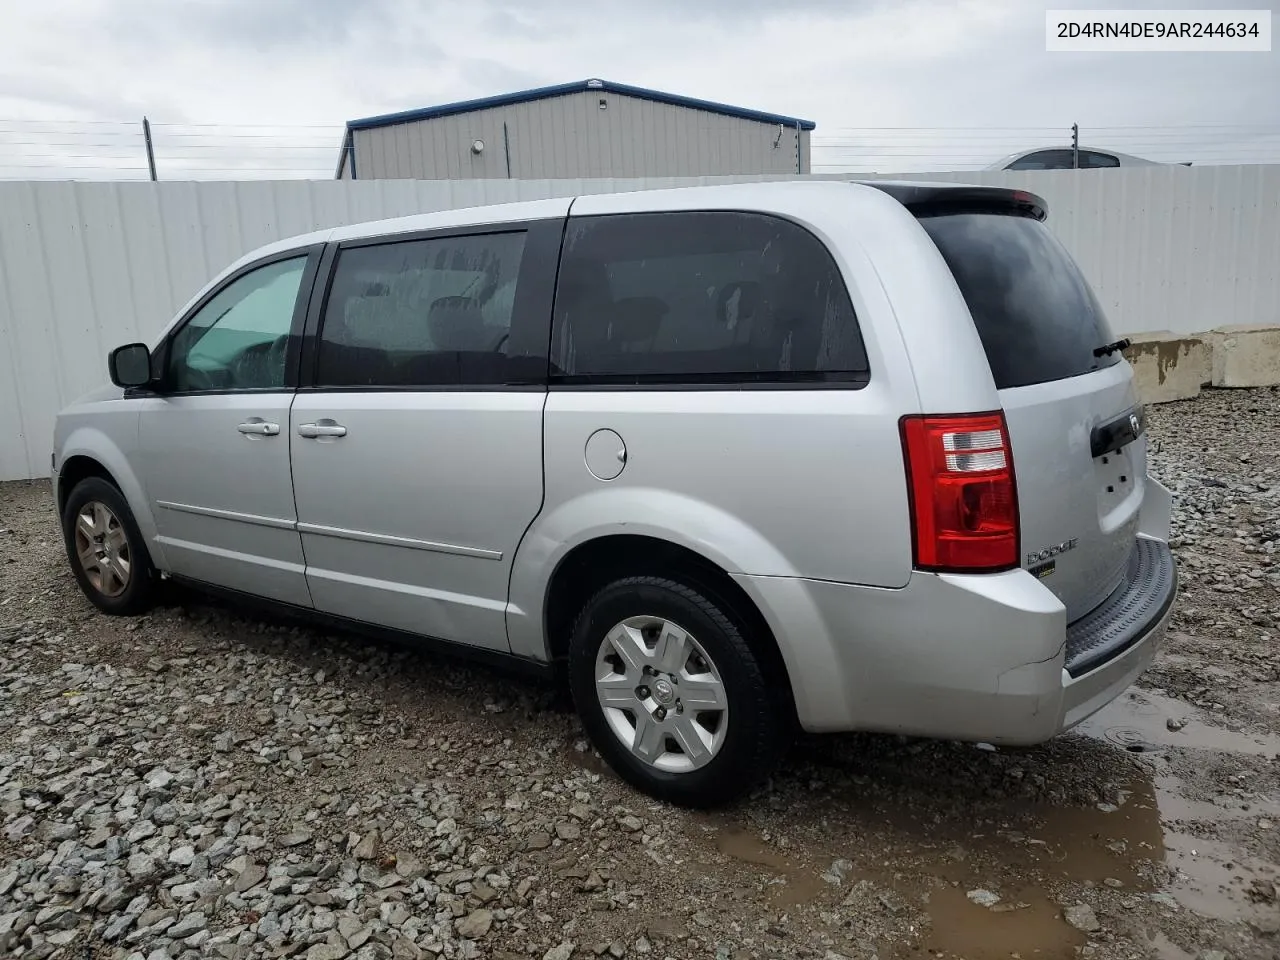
x,y
738,459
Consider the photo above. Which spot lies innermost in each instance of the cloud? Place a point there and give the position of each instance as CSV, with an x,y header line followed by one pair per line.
x,y
857,67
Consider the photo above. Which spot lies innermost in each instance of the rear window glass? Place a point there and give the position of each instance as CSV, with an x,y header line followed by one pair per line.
x,y
701,297
1036,314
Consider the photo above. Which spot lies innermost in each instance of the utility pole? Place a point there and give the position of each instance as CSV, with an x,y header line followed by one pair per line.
x,y
151,153
1075,146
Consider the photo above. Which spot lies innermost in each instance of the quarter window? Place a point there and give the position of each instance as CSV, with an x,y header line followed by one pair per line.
x,y
1092,158
240,339
701,297
430,312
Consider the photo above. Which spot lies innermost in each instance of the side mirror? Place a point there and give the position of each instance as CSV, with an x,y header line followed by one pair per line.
x,y
130,365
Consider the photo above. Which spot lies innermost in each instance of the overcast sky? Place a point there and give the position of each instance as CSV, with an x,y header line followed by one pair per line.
x,y
849,65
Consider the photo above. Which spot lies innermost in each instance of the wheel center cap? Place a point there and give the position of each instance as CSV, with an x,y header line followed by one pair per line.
x,y
663,692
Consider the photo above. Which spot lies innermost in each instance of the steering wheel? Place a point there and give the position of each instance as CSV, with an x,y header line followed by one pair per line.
x,y
275,360
198,379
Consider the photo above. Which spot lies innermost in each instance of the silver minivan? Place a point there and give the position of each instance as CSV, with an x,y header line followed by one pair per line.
x,y
736,460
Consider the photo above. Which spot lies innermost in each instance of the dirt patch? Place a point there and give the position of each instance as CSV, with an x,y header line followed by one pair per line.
x,y
400,805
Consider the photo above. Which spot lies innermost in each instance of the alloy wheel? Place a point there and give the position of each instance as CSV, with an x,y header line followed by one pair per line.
x,y
661,694
103,549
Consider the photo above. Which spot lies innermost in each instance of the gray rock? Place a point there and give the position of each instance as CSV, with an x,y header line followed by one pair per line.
x,y
250,877
354,931
55,918
475,924
140,865
983,898
410,867
567,830
1082,917
117,927
562,952
159,778
182,856
326,951
538,841
296,838
665,929
187,925
20,828
323,921
367,848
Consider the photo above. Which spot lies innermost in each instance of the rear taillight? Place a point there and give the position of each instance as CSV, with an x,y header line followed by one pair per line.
x,y
964,504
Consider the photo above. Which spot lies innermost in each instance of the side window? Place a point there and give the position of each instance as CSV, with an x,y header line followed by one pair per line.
x,y
1092,158
425,313
1043,160
704,297
240,338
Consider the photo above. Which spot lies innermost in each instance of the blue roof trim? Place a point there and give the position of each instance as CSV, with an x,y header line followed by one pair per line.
x,y
579,86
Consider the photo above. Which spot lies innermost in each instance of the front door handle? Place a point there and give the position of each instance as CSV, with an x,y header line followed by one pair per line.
x,y
321,428
256,426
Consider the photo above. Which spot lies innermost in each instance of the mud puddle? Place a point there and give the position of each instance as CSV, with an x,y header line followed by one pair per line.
x,y
1030,927
790,881
978,878
1139,722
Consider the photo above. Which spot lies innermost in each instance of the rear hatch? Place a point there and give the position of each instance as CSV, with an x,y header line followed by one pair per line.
x,y
1079,451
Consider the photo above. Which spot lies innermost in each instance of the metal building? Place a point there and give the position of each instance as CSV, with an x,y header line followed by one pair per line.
x,y
591,128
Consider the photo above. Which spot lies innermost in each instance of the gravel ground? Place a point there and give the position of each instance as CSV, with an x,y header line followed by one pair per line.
x,y
205,783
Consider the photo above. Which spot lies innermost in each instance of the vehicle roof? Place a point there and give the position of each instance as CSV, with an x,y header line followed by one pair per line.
x,y
1126,158
767,196
576,86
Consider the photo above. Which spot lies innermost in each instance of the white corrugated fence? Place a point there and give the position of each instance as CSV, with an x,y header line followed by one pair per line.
x,y
85,266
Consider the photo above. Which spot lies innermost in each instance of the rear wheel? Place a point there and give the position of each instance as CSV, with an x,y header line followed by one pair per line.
x,y
106,550
671,693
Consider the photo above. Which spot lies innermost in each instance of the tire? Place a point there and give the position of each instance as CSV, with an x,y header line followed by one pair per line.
x,y
121,549
740,743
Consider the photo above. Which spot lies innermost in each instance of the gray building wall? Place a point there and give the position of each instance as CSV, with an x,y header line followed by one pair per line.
x,y
570,136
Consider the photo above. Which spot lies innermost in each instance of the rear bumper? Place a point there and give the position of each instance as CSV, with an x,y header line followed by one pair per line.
x,y
964,657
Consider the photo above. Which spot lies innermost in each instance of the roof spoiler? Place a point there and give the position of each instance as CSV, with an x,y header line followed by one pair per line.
x,y
928,198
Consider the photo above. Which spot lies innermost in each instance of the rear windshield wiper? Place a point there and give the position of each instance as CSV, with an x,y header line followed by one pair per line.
x,y
1109,348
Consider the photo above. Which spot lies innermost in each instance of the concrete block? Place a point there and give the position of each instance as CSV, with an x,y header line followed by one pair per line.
x,y
1246,355
1168,366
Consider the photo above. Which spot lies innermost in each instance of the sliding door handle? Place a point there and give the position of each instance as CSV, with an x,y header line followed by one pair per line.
x,y
257,427
321,428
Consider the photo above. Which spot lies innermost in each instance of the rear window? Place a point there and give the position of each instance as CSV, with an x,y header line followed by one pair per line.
x,y
1036,314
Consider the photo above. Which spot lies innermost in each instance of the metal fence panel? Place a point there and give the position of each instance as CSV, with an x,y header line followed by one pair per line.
x,y
85,266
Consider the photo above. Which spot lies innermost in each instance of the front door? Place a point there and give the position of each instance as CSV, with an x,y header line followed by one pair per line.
x,y
215,441
417,451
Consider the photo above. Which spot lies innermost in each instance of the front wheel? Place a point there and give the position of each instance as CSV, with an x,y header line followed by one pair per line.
x,y
106,550
671,693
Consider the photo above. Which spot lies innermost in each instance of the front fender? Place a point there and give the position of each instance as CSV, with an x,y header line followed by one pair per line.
x,y
722,538
96,444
